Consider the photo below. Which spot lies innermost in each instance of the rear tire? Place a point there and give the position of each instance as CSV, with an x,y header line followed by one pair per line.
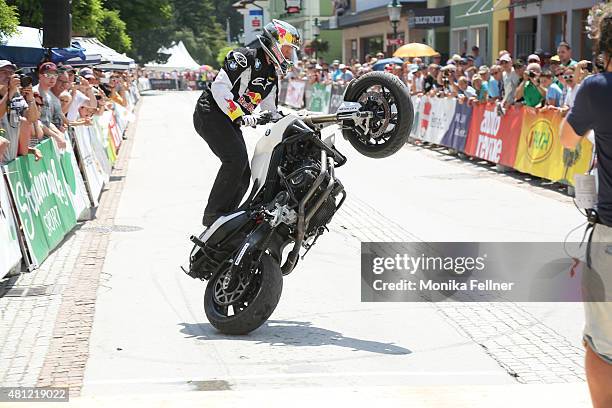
x,y
401,132
260,307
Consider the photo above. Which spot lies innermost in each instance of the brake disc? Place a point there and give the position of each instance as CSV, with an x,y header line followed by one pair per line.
x,y
369,99
231,287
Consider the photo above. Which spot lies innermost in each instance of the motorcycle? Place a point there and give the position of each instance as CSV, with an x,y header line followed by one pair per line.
x,y
296,192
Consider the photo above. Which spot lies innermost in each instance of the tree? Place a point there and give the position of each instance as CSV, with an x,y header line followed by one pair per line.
x,y
8,19
115,34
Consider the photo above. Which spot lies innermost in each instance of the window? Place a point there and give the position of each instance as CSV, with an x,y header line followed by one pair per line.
x,y
372,45
354,49
459,41
479,38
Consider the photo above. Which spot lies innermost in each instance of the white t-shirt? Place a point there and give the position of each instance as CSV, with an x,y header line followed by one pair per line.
x,y
570,96
78,100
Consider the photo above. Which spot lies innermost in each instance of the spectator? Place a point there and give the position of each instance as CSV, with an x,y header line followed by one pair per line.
x,y
510,79
346,74
462,88
565,54
496,82
117,90
65,101
570,85
484,73
51,108
480,87
478,61
380,55
554,94
430,82
18,111
418,79
534,59
557,70
530,90
81,93
436,59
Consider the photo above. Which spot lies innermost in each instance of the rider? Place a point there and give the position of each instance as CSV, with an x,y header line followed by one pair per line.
x,y
248,78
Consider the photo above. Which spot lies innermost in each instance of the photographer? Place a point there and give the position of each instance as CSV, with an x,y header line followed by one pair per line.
x,y
530,90
591,111
18,111
446,77
51,108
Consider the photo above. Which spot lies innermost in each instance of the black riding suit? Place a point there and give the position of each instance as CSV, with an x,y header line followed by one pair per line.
x,y
245,81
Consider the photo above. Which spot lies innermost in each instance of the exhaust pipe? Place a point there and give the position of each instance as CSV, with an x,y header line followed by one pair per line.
x,y
301,217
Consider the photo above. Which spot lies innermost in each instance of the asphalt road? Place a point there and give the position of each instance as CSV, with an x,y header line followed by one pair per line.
x,y
151,333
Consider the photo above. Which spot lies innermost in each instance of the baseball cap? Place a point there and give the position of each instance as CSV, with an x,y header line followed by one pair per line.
x,y
7,63
414,68
533,57
506,58
483,69
66,68
336,62
342,66
47,66
87,73
555,58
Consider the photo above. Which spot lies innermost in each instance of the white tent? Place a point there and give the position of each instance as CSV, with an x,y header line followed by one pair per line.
x,y
112,59
179,59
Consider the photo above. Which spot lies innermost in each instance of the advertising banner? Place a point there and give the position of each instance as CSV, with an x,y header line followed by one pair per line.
x,y
100,124
10,253
493,137
295,94
93,169
337,93
441,113
115,133
162,84
282,95
74,180
540,151
456,135
320,98
417,103
43,203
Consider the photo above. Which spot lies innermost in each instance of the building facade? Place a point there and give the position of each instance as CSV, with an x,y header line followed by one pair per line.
x,y
366,28
543,24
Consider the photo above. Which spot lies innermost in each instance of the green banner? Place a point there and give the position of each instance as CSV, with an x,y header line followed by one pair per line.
x,y
44,207
320,98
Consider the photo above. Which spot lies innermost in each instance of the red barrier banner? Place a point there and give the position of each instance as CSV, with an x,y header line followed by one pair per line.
x,y
493,137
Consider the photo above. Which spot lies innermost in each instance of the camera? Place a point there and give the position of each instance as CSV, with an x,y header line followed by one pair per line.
x,y
77,80
589,66
25,80
531,74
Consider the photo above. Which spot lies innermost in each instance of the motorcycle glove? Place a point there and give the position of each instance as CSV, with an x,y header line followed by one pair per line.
x,y
249,120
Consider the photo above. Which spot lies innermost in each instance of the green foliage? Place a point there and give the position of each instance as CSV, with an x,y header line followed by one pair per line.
x,y
115,34
87,17
223,52
8,19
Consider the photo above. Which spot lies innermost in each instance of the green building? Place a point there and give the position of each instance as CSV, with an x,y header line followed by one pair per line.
x,y
302,14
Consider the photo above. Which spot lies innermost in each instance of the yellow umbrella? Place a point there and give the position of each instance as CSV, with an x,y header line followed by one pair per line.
x,y
415,50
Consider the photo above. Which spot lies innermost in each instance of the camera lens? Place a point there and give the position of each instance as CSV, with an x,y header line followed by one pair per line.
x,y
25,81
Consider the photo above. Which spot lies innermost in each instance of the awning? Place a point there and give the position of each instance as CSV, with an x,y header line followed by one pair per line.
x,y
110,58
25,49
179,59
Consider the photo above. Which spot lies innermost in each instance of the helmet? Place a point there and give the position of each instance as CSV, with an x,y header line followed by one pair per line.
x,y
276,34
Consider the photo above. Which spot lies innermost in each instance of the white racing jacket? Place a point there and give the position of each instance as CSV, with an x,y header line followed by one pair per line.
x,y
245,81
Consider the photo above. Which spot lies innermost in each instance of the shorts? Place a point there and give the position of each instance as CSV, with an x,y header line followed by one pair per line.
x,y
597,285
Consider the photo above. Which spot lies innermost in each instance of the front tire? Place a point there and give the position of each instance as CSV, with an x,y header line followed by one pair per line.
x,y
395,92
251,311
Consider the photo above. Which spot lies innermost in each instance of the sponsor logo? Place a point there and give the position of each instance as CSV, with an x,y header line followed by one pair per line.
x,y
233,110
257,64
232,65
246,104
240,59
540,140
260,82
255,97
489,146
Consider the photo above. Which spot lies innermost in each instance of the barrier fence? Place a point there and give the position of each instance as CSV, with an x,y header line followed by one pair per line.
x,y
41,201
524,138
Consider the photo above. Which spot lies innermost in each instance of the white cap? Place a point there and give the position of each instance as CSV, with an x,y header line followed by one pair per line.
x,y
7,63
533,57
342,66
505,57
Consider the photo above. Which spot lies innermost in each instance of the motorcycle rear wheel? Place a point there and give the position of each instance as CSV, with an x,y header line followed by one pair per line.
x,y
253,308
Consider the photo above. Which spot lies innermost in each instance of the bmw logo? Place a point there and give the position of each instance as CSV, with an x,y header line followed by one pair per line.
x,y
257,63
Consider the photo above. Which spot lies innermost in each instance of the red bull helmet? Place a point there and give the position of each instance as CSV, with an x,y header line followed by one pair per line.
x,y
275,35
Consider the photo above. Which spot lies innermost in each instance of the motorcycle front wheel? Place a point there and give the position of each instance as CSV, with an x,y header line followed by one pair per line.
x,y
242,305
388,99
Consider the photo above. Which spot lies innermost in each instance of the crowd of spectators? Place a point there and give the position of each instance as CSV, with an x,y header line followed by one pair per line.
x,y
542,80
63,96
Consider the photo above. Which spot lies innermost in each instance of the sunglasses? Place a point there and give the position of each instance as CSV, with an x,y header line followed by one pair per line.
x,y
49,75
568,77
